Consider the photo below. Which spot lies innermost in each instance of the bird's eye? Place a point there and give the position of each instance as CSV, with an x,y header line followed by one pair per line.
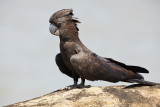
x,y
70,14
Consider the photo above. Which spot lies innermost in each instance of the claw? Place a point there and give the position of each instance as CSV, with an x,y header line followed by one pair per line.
x,y
75,86
83,86
69,87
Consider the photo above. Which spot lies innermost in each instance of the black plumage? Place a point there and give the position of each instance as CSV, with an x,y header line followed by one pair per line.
x,y
77,61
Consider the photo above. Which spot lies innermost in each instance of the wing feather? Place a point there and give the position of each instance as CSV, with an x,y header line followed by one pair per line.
x,y
135,69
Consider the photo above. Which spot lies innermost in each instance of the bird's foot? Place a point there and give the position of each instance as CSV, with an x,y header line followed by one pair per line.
x,y
69,87
83,86
75,86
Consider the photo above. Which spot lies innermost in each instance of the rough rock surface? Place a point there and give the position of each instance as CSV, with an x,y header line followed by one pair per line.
x,y
115,96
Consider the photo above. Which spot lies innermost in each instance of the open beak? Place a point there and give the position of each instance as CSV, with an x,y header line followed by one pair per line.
x,y
54,30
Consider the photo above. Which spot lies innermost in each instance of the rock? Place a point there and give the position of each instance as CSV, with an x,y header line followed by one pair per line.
x,y
115,96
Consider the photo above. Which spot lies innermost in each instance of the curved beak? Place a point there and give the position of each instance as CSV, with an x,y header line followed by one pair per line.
x,y
54,30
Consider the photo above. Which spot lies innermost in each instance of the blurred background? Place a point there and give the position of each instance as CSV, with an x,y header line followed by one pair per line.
x,y
125,30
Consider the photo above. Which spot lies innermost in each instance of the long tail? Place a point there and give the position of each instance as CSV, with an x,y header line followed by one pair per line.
x,y
141,81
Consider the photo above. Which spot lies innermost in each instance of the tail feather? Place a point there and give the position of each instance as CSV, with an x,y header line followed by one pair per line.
x,y
141,81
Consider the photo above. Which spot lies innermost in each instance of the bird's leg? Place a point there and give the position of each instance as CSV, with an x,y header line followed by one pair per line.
x,y
75,80
75,85
82,84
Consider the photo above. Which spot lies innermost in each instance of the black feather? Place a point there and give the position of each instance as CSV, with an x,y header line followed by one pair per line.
x,y
135,69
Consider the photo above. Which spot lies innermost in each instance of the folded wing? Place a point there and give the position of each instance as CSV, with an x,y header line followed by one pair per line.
x,y
135,69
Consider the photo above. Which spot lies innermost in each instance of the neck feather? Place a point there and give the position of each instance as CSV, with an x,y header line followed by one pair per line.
x,y
69,32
